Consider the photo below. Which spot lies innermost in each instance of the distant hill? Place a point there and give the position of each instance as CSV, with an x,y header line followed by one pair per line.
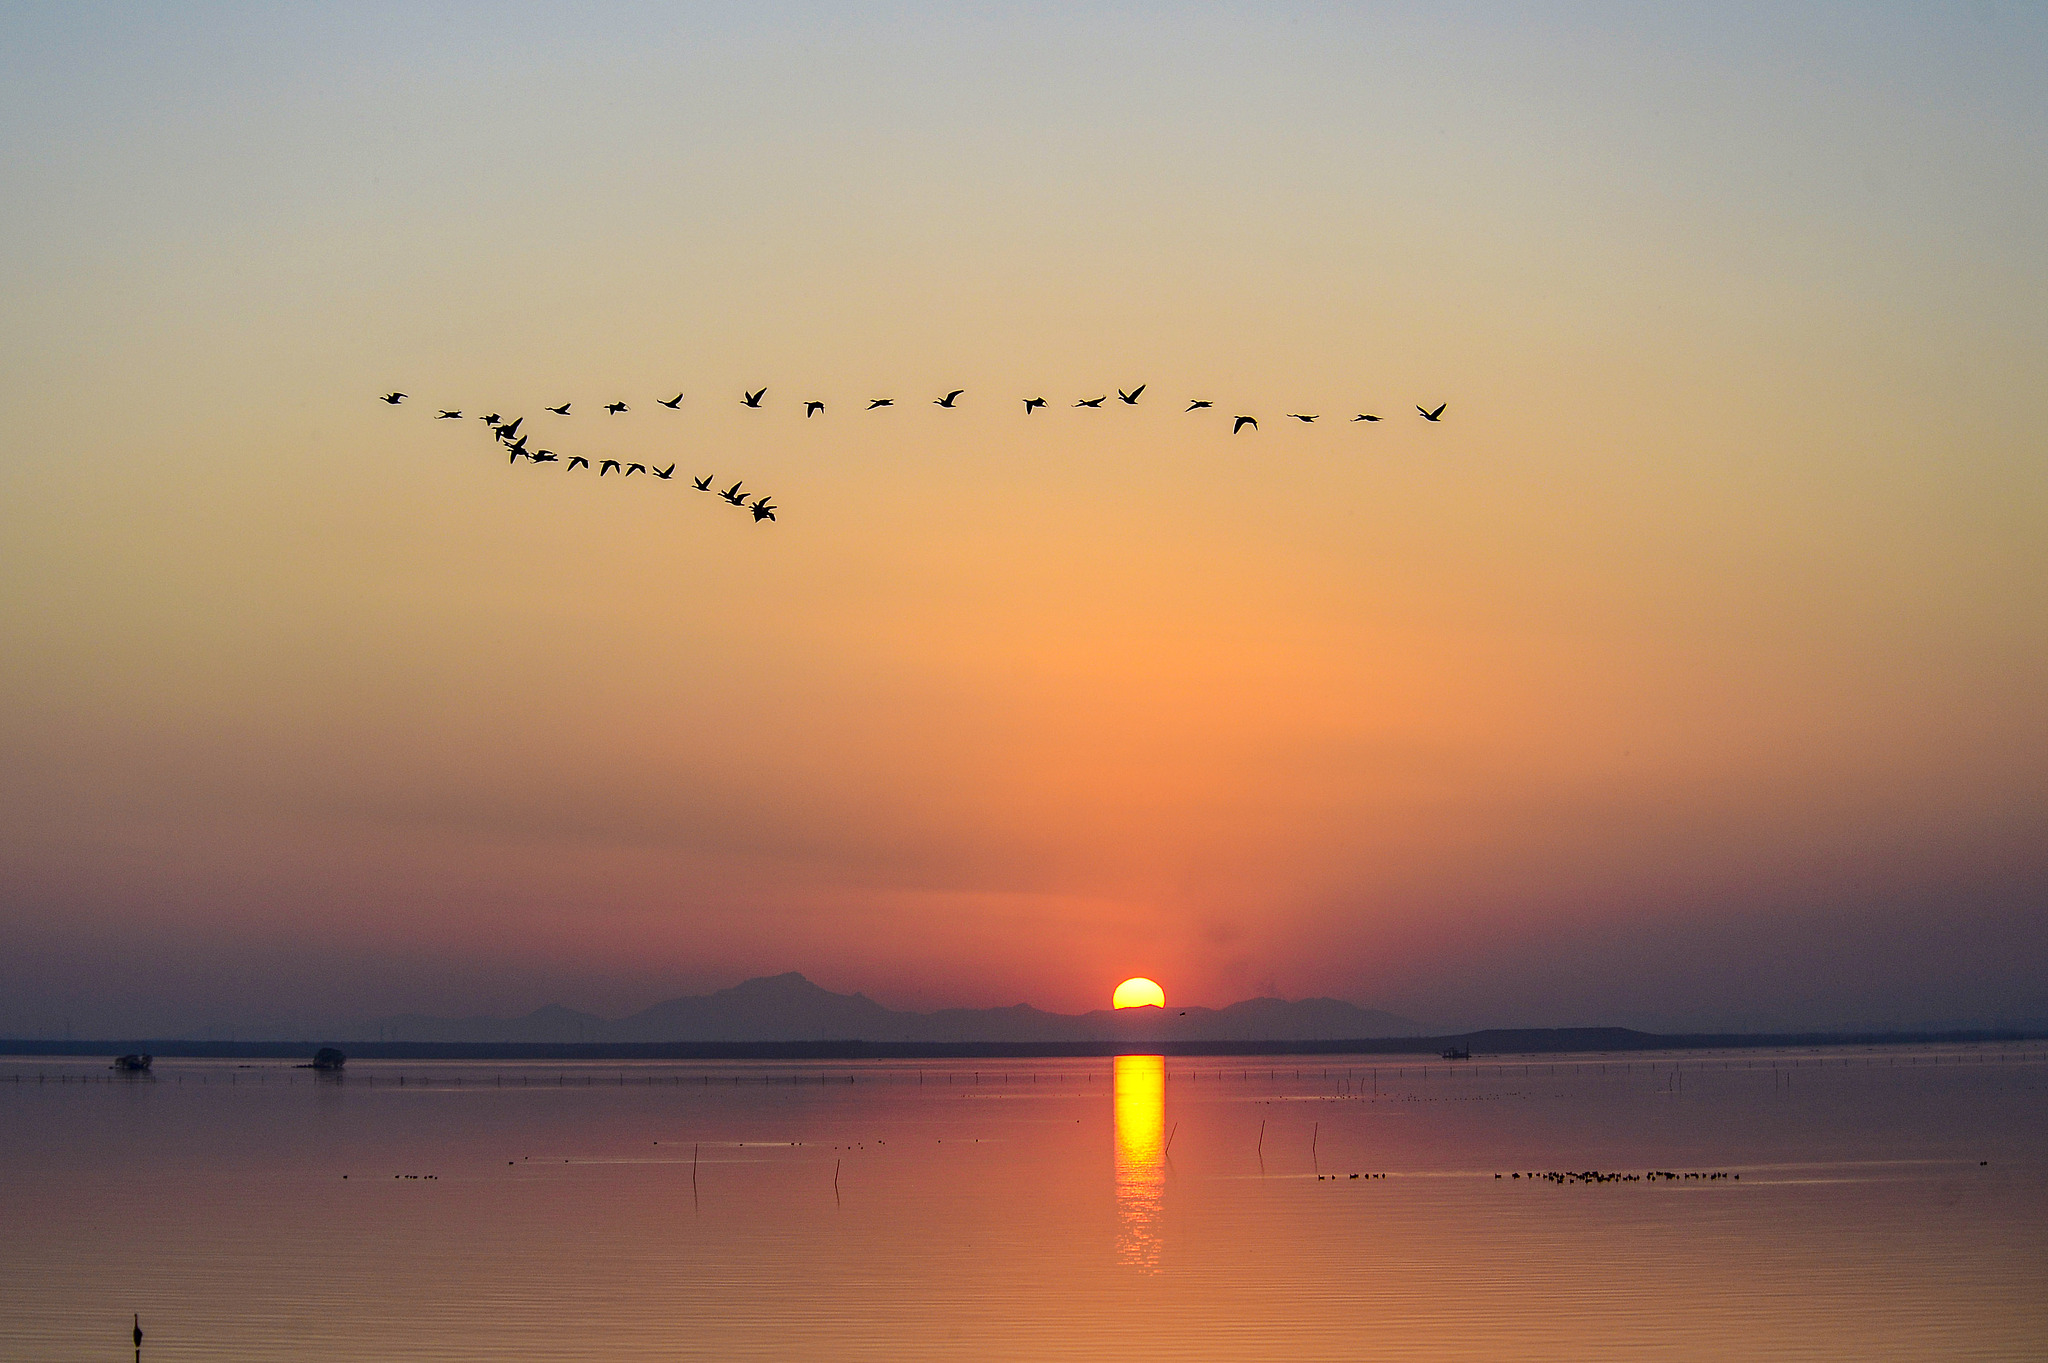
x,y
791,1008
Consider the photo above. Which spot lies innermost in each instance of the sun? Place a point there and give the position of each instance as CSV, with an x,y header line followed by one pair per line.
x,y
1139,992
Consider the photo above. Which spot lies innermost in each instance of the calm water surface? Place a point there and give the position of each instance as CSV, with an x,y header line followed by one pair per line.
x,y
1890,1204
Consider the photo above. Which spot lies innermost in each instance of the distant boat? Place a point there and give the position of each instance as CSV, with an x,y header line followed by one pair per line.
x,y
135,1063
1458,1053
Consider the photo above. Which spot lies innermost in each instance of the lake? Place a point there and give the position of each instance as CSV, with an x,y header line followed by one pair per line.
x,y
1836,1203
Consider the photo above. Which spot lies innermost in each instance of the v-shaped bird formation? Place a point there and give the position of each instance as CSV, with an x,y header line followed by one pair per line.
x,y
515,440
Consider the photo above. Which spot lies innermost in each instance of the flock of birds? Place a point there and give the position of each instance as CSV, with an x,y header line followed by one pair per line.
x,y
515,440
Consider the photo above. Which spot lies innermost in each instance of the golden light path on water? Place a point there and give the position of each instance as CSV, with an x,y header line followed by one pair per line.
x,y
1139,1090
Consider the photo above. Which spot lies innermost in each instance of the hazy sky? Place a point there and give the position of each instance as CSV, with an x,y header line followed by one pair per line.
x,y
1689,673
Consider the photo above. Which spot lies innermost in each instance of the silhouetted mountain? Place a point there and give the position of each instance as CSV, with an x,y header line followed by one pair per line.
x,y
791,1008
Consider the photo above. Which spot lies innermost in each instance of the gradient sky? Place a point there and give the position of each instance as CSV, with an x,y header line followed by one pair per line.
x,y
1690,673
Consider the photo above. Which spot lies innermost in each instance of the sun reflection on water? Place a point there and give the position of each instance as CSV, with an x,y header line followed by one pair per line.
x,y
1139,1095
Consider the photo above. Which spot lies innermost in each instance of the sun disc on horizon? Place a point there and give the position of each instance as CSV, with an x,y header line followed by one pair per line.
x,y
1138,992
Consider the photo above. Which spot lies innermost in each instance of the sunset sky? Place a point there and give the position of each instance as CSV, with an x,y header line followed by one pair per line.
x,y
1689,673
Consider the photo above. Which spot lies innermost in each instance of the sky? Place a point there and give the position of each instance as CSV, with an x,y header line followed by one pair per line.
x,y
1688,674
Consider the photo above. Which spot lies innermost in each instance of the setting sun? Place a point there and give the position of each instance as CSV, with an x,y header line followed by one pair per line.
x,y
1139,992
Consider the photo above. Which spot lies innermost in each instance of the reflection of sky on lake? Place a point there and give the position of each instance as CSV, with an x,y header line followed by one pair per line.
x,y
1140,1099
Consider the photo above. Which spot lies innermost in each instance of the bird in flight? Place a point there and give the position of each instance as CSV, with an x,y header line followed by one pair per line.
x,y
732,494
518,447
947,401
1198,404
1030,403
1131,398
545,457
394,398
606,467
812,408
1428,415
447,415
514,455
671,403
507,432
613,407
664,474
763,509
562,410
576,461
881,402
1091,402
490,421
632,469
753,399
1363,417
1299,417
1243,422
702,484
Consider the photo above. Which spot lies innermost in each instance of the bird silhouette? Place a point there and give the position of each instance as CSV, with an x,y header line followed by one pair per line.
x,y
763,509
947,401
702,484
1091,402
518,447
1131,398
1030,403
545,457
1299,417
753,399
732,494
671,403
812,408
514,455
447,415
507,432
632,469
615,407
1363,417
562,410
1243,422
1428,415
881,402
394,398
606,467
664,474
491,420
1198,404
576,461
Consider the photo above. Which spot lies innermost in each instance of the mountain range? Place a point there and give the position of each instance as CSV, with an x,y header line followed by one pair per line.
x,y
789,1007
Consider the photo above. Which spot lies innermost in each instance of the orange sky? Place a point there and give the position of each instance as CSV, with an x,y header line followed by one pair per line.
x,y
1688,673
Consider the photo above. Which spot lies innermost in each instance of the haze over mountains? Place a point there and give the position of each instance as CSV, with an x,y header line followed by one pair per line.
x,y
790,1008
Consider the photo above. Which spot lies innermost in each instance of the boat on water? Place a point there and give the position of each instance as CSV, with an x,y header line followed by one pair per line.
x,y
1458,1053
133,1063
